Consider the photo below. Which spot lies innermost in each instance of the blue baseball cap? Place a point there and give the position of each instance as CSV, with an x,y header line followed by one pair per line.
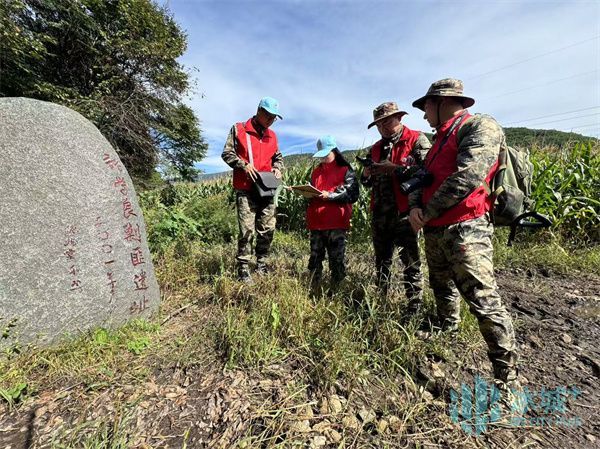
x,y
324,146
270,105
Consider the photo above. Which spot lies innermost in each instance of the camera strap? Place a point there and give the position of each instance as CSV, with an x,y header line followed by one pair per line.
x,y
456,123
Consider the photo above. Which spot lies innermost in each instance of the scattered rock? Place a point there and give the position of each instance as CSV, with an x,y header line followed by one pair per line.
x,y
396,424
591,437
322,427
366,415
335,405
300,426
350,422
436,371
382,426
333,435
535,341
318,441
566,338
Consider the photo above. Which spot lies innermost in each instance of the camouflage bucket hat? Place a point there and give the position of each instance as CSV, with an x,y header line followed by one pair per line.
x,y
448,87
385,110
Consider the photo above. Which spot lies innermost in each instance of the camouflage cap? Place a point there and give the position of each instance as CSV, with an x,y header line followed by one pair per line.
x,y
385,110
448,87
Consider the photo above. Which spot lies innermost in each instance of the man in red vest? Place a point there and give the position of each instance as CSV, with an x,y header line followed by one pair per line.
x,y
251,147
399,147
457,228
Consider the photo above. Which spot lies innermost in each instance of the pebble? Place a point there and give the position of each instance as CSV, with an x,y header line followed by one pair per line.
x,y
302,426
335,405
322,426
591,437
396,424
367,415
535,341
333,435
566,338
318,441
350,422
436,371
382,426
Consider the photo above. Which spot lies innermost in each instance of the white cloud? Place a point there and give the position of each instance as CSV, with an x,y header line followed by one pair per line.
x,y
331,63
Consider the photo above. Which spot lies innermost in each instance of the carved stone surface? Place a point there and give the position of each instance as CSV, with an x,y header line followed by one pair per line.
x,y
73,248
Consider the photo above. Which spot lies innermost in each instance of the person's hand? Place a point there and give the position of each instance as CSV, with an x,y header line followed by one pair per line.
x,y
383,168
324,195
251,171
416,219
277,173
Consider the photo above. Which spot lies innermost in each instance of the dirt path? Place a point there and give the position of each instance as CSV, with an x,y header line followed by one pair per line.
x,y
203,406
559,337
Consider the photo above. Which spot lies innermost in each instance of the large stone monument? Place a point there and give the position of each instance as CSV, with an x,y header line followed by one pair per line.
x,y
73,248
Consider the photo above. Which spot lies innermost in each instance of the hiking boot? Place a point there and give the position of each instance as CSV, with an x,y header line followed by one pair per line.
x,y
315,278
413,308
262,269
244,275
513,402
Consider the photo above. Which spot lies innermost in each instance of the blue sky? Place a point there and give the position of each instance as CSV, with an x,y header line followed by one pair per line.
x,y
329,63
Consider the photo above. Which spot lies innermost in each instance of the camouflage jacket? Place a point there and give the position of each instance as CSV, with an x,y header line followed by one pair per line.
x,y
478,139
383,190
232,159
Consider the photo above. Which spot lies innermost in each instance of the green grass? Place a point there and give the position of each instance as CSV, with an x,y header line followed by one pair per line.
x,y
94,360
546,250
353,343
105,433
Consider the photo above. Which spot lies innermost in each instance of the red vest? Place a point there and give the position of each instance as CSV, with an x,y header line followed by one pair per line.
x,y
400,153
263,150
442,163
324,215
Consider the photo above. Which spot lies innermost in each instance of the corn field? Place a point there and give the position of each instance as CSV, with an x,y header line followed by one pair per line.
x,y
566,188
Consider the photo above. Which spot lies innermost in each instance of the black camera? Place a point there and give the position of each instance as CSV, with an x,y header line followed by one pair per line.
x,y
413,178
366,161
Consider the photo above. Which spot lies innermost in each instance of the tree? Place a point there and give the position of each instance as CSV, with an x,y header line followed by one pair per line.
x,y
115,62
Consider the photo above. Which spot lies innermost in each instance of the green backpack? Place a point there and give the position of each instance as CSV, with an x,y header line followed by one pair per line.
x,y
510,189
511,185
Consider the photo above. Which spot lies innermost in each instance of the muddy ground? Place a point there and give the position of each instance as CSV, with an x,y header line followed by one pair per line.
x,y
205,406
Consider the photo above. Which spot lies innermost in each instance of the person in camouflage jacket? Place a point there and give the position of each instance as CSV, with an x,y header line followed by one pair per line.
x,y
399,147
453,212
251,147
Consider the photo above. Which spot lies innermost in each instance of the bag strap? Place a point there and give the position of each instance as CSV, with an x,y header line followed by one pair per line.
x,y
240,129
496,185
249,145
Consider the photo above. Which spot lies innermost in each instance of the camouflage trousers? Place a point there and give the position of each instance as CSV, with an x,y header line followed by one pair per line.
x,y
334,243
254,214
390,231
460,260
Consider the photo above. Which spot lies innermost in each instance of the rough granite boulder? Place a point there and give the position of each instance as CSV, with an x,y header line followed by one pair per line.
x,y
73,248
